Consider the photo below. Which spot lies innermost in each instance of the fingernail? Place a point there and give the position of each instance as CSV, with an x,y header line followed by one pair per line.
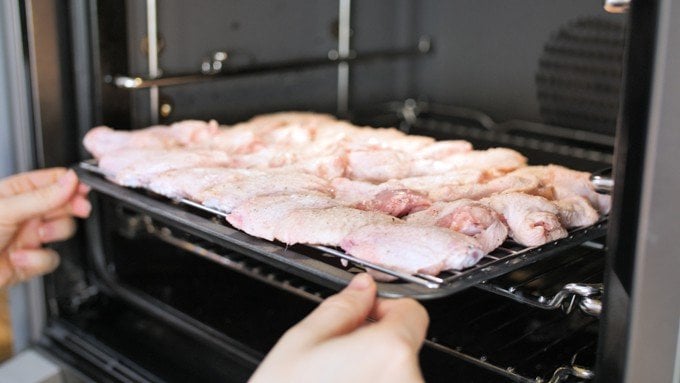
x,y
67,178
360,282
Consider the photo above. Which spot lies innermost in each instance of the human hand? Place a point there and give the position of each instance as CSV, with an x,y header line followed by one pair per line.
x,y
335,343
36,208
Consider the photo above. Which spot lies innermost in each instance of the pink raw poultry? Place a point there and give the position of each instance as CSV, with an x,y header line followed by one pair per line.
x,y
568,183
226,197
138,167
532,220
325,226
467,217
260,216
412,248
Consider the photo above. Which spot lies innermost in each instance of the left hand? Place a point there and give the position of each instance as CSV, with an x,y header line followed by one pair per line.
x,y
37,208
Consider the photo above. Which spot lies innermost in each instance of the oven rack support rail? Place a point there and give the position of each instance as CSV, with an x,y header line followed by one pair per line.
x,y
503,260
144,225
587,297
131,82
560,375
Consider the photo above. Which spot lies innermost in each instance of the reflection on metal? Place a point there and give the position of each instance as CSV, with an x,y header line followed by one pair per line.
x,y
140,82
564,373
344,33
586,295
602,183
616,6
214,63
152,54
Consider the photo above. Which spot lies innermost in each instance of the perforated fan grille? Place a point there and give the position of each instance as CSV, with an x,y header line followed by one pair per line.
x,y
579,75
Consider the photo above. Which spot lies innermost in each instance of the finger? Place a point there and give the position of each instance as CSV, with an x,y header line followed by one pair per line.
x,y
78,206
29,263
57,230
40,201
28,181
83,189
403,318
27,237
339,314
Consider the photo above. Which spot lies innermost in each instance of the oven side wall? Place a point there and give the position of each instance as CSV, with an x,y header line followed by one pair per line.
x,y
653,354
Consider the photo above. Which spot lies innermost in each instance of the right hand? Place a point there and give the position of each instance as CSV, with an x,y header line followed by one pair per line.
x,y
335,343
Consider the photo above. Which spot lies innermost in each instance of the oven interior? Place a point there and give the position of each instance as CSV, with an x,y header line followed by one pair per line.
x,y
143,297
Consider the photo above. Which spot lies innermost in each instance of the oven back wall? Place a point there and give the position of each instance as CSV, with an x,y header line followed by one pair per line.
x,y
487,52
260,33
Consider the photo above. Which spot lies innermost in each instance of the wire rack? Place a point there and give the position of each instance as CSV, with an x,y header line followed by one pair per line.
x,y
313,261
526,329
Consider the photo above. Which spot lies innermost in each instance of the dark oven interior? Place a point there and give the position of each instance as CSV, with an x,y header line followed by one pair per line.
x,y
148,295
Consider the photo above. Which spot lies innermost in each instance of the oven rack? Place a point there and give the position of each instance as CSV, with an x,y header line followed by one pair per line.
x,y
535,136
136,225
572,282
581,295
222,70
561,374
133,224
312,261
145,225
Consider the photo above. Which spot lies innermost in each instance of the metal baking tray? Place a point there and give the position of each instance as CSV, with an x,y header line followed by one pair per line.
x,y
327,266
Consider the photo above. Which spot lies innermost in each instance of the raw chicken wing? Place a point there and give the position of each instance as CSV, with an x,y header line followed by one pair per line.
x,y
532,220
467,217
412,248
260,216
138,167
326,226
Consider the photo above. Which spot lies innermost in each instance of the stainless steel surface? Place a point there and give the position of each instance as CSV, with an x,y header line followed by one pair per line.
x,y
344,35
591,306
602,183
584,296
141,82
564,373
654,323
616,6
152,56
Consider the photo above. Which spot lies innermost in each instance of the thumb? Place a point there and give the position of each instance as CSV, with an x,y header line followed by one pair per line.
x,y
21,207
340,314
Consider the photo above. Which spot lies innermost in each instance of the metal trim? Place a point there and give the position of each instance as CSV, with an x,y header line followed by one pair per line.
x,y
655,297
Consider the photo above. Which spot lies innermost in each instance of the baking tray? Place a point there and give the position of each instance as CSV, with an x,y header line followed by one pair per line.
x,y
327,266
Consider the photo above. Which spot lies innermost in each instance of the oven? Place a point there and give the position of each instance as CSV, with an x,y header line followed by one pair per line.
x,y
153,290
